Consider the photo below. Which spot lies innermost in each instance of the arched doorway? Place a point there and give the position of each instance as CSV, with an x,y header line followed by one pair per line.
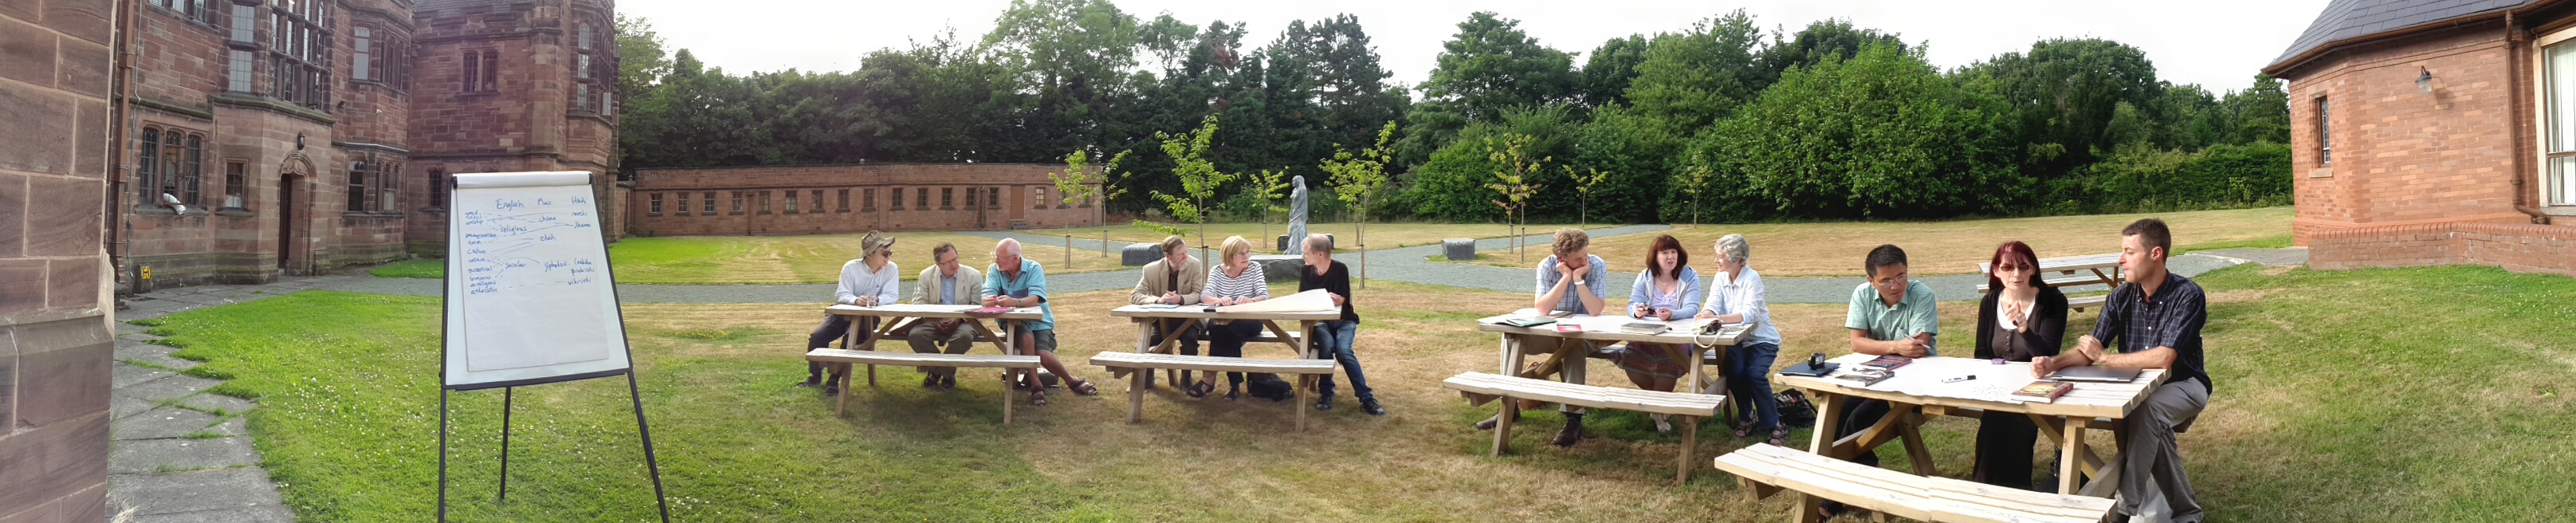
x,y
294,198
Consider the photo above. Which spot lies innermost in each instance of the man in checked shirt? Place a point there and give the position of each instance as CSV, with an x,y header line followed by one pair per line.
x,y
2156,318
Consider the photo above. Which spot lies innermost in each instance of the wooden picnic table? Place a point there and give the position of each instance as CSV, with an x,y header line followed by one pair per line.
x,y
2089,405
1190,317
1602,331
2073,271
894,318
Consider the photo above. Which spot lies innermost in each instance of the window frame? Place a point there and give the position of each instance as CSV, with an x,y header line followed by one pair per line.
x,y
710,209
2557,193
656,206
236,184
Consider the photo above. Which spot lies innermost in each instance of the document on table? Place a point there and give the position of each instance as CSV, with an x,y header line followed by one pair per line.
x,y
1925,377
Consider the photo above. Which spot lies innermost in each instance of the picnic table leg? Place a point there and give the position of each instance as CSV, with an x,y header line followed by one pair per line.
x,y
1503,425
841,405
1304,381
1510,409
1829,420
857,327
2070,464
1010,375
1145,345
1915,450
1690,440
1137,395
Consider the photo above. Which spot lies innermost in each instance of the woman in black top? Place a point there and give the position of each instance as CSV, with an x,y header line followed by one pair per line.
x,y
2020,318
1334,337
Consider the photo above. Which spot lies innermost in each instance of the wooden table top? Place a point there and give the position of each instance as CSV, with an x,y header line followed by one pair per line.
x,y
1208,312
2091,400
908,310
1607,328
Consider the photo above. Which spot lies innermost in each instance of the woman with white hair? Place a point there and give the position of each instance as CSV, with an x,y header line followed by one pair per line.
x,y
1735,296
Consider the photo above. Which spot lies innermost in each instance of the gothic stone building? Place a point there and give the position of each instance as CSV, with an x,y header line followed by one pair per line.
x,y
851,198
55,349
270,137
2432,132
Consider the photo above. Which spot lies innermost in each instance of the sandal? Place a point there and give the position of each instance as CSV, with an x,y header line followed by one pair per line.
x,y
1037,398
1743,428
1230,395
1081,387
1200,389
1779,435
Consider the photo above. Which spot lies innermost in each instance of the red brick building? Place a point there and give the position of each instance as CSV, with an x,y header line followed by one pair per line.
x,y
55,345
298,135
2432,132
850,198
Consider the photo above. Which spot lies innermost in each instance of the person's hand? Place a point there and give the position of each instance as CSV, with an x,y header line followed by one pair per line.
x,y
2090,347
948,324
1171,297
2041,366
992,301
1639,310
1568,270
1338,300
1664,314
1911,348
1706,314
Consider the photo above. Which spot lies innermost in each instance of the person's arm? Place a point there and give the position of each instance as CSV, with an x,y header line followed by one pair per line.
x,y
1641,294
2047,333
891,290
1144,293
1927,318
1550,293
1036,288
847,293
2169,333
1691,290
1596,302
921,293
1751,303
1260,284
1987,318
1340,284
2114,319
992,283
1190,296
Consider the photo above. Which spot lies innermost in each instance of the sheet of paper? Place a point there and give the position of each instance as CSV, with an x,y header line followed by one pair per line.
x,y
1309,301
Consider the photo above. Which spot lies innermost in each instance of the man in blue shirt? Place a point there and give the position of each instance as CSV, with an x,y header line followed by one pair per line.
x,y
2156,318
1017,282
1571,280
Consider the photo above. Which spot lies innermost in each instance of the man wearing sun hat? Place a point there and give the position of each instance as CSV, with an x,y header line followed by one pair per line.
x,y
869,281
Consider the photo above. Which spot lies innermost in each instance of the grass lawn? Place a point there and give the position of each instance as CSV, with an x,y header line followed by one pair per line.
x,y
1952,247
2370,395
1380,235
431,268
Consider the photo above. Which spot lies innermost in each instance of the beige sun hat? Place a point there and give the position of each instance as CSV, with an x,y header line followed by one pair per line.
x,y
875,242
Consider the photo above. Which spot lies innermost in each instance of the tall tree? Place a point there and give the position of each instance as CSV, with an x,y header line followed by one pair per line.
x,y
1073,56
1695,77
1491,66
2065,92
1607,72
1881,135
641,59
1831,37
1333,63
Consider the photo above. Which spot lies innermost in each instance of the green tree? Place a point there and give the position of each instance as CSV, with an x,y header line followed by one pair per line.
x,y
1609,69
1356,180
1584,182
1696,77
2260,113
1821,39
2065,93
1491,66
1082,185
1881,135
1071,57
1511,185
1199,180
641,59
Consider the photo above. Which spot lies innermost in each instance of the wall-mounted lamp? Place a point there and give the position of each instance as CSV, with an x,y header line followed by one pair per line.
x,y
2424,81
299,140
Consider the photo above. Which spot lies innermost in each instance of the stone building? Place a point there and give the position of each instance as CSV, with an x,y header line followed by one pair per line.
x,y
850,198
2431,132
270,137
55,345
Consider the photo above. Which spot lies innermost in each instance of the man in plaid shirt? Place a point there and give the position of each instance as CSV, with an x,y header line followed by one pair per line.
x,y
2156,318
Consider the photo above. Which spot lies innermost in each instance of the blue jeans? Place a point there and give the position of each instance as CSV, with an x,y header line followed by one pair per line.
x,y
1748,379
1334,338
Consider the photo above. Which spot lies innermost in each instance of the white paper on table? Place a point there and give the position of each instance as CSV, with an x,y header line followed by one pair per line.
x,y
1924,377
1309,301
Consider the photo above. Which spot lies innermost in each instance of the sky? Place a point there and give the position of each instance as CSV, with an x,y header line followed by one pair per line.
x,y
2219,44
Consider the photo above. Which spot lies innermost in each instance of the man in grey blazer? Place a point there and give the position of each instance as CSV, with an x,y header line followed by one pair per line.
x,y
944,283
1174,280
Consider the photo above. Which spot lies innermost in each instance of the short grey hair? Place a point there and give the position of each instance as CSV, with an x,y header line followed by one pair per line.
x,y
1007,245
1733,248
1319,242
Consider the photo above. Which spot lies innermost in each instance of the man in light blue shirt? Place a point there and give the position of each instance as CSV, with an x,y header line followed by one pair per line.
x,y
1891,315
1571,280
1017,282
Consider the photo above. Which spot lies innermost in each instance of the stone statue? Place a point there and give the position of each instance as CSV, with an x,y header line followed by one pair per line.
x,y
1297,216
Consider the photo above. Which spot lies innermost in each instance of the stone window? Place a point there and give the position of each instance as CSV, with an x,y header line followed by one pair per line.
x,y
361,53
656,208
867,199
482,71
1038,194
581,98
300,52
388,186
236,184
970,198
237,73
791,201
2325,135
764,201
438,188
818,201
244,18
195,10
992,197
358,176
921,198
948,198
895,202
710,209
737,203
682,203
844,198
147,167
169,163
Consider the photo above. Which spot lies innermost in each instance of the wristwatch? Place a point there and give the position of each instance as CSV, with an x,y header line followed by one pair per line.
x,y
1578,282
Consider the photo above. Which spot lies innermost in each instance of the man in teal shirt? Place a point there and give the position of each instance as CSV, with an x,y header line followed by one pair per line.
x,y
1891,314
1017,282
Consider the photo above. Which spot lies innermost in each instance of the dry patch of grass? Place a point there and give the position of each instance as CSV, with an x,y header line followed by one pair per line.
x,y
1953,247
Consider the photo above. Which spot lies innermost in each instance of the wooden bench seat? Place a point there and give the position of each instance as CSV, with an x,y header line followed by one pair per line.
x,y
918,359
1765,469
1481,388
2080,303
1137,366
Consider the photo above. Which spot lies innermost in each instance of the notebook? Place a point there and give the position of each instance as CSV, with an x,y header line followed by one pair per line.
x,y
2095,373
1528,322
2043,391
1803,369
1643,328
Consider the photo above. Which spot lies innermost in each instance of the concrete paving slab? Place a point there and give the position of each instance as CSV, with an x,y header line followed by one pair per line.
x,y
243,488
158,455
161,423
167,388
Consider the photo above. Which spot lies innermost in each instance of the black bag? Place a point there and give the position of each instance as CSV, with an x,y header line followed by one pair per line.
x,y
1269,386
1795,410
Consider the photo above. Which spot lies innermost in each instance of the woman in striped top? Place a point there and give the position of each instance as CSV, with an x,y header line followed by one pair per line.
x,y
1235,282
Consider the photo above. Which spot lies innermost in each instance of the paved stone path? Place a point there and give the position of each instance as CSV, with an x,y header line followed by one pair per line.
x,y
180,453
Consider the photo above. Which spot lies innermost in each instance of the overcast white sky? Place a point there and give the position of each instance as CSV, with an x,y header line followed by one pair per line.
x,y
2219,44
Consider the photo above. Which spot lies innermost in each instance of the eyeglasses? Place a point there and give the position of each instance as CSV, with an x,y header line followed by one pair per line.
x,y
2016,267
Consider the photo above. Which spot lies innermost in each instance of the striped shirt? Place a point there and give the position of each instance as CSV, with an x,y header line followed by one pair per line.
x,y
1251,285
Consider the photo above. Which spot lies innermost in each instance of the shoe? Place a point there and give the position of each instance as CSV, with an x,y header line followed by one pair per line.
x,y
1369,405
948,382
1662,423
1572,433
930,381
811,382
831,390
1489,423
1324,404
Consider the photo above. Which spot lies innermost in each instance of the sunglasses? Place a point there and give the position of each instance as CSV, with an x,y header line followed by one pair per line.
x,y
2016,267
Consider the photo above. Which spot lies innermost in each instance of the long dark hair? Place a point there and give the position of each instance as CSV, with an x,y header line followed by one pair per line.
x,y
2016,250
1663,243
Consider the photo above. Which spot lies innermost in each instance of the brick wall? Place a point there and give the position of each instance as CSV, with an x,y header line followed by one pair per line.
x,y
1028,199
54,335
2401,156
2515,247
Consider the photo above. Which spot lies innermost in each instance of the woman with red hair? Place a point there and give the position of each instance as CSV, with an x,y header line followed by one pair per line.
x,y
2020,318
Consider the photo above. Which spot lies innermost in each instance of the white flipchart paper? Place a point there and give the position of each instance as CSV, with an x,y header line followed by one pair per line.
x,y
529,295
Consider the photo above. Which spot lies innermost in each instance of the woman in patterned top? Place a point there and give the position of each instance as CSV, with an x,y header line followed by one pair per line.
x,y
1235,282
